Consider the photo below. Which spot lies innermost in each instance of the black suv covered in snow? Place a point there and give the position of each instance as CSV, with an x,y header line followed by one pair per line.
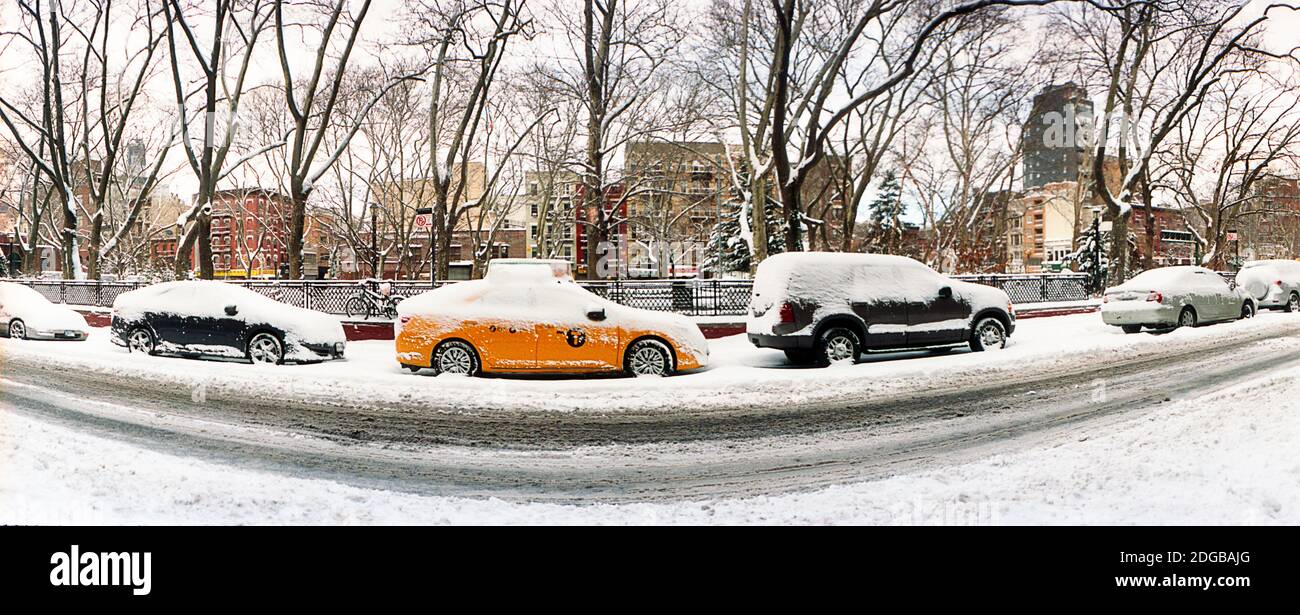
x,y
827,307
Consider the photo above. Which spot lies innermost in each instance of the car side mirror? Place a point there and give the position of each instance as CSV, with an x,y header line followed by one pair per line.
x,y
1232,284
945,292
231,310
597,314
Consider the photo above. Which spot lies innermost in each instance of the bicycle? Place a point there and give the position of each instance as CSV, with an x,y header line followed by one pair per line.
x,y
372,303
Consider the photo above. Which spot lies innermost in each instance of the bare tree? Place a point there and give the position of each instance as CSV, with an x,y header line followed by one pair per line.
x,y
467,42
118,173
312,101
1224,152
968,142
42,126
222,66
619,51
1158,61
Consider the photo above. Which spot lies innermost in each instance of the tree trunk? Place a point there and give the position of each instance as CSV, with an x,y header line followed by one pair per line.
x,y
92,247
297,225
758,221
1117,270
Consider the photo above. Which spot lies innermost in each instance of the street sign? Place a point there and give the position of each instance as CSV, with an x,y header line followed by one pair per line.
x,y
1232,235
423,221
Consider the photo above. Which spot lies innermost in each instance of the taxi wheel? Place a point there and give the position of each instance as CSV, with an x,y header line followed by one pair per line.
x,y
455,357
648,358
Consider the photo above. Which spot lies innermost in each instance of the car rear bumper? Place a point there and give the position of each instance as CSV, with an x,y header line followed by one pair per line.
x,y
1146,313
781,342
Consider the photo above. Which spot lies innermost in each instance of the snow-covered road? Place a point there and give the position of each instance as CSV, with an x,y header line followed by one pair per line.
x,y
750,425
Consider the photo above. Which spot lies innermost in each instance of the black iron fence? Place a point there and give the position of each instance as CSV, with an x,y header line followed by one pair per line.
x,y
1036,288
690,297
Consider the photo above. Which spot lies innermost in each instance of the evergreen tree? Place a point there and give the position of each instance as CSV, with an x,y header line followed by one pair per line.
x,y
728,252
885,230
776,227
1090,256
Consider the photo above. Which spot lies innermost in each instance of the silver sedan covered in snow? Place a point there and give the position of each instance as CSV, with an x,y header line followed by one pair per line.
x,y
1173,297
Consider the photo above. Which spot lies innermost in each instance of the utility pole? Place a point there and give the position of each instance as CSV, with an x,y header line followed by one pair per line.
x,y
374,243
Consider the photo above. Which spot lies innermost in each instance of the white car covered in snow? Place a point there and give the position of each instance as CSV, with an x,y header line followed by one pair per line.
x,y
1172,297
27,314
202,318
1275,284
827,307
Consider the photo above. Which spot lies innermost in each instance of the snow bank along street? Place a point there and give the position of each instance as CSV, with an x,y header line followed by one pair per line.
x,y
1144,462
739,374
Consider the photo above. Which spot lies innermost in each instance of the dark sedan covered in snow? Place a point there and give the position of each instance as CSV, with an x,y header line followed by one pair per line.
x,y
215,319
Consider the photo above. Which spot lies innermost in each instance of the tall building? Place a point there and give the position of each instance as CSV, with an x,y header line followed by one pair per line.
x,y
1056,136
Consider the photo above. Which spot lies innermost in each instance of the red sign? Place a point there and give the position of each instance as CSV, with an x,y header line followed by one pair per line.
x,y
1232,235
423,221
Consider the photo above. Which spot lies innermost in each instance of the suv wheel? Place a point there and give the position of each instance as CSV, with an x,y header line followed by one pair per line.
x,y
838,344
988,334
1293,303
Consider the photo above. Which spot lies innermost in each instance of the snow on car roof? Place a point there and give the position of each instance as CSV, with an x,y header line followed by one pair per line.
x,y
1165,275
824,276
511,270
11,291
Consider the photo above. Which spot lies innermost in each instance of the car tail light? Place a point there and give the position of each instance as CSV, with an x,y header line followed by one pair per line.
x,y
1278,283
405,319
1155,296
1105,298
787,313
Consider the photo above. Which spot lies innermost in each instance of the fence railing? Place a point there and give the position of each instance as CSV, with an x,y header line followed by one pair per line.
x,y
690,297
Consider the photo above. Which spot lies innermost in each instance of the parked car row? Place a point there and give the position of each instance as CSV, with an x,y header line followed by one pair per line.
x,y
530,316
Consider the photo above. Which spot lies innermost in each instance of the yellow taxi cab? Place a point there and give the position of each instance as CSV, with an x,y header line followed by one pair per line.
x,y
529,316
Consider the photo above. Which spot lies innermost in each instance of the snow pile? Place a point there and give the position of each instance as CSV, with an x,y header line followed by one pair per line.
x,y
22,302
